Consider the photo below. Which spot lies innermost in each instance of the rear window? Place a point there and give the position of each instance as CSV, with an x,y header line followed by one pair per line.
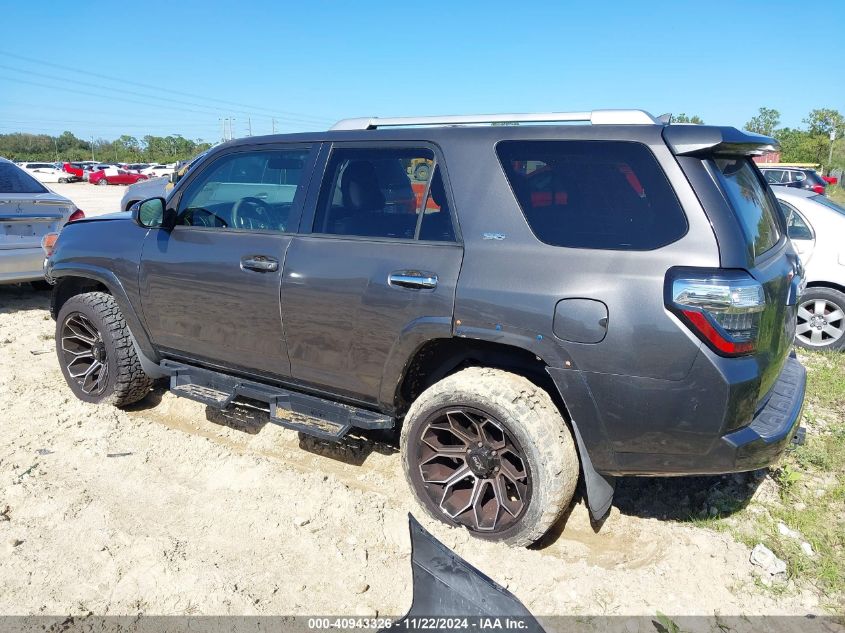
x,y
13,179
608,195
751,202
813,177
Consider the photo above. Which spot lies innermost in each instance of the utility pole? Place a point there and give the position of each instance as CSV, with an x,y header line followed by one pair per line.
x,y
274,125
56,144
249,125
92,148
222,128
830,153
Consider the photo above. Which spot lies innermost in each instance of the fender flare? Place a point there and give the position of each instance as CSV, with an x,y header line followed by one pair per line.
x,y
144,348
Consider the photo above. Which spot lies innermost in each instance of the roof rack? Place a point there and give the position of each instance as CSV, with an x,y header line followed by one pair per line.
x,y
596,117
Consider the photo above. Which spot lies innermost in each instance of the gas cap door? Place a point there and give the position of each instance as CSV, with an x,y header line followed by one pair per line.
x,y
580,320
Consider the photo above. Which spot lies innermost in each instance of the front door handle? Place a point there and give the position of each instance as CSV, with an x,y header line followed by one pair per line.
x,y
413,279
259,263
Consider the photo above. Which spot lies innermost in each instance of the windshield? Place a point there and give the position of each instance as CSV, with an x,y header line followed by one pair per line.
x,y
13,179
751,201
830,204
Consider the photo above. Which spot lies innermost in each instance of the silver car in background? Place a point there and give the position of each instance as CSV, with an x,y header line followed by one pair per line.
x,y
28,212
816,228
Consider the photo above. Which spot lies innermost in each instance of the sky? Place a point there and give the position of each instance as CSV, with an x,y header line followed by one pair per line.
x,y
181,66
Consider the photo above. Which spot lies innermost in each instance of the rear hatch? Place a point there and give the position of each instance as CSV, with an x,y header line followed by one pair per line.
x,y
28,210
774,263
755,254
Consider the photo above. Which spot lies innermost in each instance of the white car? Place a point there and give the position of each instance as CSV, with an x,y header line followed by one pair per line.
x,y
43,172
156,171
816,227
28,212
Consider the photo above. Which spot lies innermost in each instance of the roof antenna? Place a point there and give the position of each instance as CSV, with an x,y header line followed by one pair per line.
x,y
665,119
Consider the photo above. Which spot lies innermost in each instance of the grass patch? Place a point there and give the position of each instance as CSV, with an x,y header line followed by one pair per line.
x,y
810,489
836,193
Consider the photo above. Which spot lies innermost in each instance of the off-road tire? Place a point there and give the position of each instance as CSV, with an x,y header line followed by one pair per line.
x,y
832,298
530,415
126,381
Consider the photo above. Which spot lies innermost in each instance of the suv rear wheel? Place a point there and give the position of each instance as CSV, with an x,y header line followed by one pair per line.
x,y
96,352
488,450
821,319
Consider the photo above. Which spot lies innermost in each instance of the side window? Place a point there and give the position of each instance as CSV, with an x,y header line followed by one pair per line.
x,y
245,190
384,192
593,194
796,227
774,176
798,176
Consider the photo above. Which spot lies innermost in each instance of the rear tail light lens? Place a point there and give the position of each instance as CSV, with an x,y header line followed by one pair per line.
x,y
48,243
819,189
721,307
79,214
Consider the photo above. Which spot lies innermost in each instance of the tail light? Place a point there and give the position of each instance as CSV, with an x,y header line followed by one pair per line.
x,y
79,214
819,189
48,243
721,307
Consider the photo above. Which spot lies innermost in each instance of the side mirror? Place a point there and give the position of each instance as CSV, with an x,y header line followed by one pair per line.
x,y
152,213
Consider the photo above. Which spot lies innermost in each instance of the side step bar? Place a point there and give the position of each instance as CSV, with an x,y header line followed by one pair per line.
x,y
315,416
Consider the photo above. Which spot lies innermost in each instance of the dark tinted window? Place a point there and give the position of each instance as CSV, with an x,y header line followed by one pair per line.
x,y
384,192
774,176
245,190
593,194
813,177
751,201
796,228
13,179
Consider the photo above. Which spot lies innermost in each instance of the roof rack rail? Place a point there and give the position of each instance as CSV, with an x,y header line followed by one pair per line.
x,y
596,117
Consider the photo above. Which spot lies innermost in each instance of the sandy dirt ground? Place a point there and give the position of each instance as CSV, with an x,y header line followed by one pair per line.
x,y
172,508
92,199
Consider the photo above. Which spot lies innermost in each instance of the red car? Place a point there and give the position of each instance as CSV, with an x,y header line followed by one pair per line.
x,y
122,177
73,171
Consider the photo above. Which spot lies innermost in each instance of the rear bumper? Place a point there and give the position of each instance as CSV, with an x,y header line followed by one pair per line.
x,y
753,446
21,264
761,442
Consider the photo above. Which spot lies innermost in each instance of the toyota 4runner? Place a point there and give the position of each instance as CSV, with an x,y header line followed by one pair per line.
x,y
539,303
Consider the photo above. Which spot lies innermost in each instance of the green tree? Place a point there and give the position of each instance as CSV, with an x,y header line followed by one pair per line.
x,y
824,121
683,118
765,122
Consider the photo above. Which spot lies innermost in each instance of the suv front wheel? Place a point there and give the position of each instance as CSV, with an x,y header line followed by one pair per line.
x,y
96,352
488,450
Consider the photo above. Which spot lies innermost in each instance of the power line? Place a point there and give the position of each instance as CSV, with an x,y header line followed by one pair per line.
x,y
158,88
158,99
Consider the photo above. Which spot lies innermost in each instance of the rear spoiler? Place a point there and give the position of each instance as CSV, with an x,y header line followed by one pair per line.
x,y
709,140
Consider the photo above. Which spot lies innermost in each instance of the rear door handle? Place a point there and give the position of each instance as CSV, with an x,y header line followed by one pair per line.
x,y
259,263
413,279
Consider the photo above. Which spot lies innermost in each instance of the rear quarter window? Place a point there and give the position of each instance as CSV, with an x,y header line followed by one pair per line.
x,y
13,179
751,201
610,195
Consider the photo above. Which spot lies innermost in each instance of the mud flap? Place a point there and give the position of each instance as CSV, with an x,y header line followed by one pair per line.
x,y
447,587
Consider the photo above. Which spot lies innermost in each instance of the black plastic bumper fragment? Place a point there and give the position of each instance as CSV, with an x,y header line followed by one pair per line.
x,y
447,587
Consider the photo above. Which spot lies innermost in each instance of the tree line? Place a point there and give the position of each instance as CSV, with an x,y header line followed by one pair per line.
x,y
21,146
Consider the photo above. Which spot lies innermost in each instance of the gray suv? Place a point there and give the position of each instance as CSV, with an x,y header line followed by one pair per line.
x,y
541,304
